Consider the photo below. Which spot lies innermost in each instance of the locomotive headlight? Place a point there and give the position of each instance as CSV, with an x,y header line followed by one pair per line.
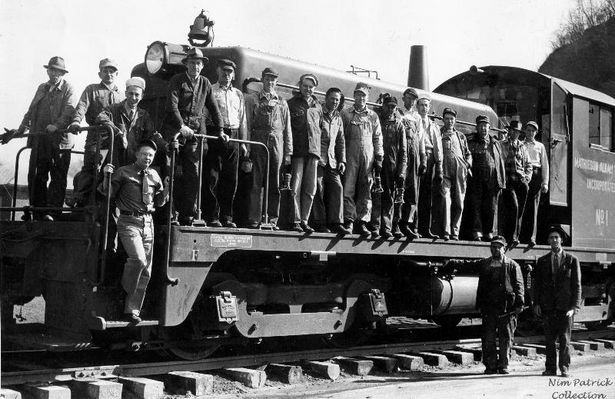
x,y
155,57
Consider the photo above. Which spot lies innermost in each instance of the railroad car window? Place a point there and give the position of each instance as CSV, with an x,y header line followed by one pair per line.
x,y
560,111
606,128
594,124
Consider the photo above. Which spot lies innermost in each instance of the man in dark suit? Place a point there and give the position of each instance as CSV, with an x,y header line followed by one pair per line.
x,y
557,293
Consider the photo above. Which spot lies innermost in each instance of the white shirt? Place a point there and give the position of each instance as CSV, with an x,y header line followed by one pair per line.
x,y
537,155
231,105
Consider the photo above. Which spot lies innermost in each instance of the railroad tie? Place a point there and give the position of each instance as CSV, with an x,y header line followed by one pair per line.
x,y
249,377
385,363
182,382
409,362
458,357
354,366
433,359
285,373
594,345
324,369
580,346
96,389
476,351
608,343
143,388
524,350
9,394
47,391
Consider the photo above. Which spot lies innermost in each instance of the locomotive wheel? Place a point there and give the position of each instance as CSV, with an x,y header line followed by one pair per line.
x,y
447,322
347,339
194,351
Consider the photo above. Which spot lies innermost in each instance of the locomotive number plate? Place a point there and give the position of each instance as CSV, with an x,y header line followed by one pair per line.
x,y
230,241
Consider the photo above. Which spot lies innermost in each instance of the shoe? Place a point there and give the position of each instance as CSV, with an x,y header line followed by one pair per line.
x,y
514,243
549,373
322,229
214,223
454,237
397,232
488,237
131,318
229,224
531,243
47,218
306,227
503,371
296,227
429,234
490,371
340,229
363,230
445,237
387,234
407,232
565,373
375,235
476,237
252,225
415,231
185,220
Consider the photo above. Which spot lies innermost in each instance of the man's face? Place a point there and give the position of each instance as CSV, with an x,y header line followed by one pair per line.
x,y
225,75
360,99
389,109
513,134
423,106
269,82
307,88
107,75
134,94
555,241
482,128
530,132
194,67
145,156
408,100
497,250
55,75
449,121
333,100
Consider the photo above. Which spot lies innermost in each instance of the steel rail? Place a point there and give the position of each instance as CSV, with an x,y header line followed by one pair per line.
x,y
157,368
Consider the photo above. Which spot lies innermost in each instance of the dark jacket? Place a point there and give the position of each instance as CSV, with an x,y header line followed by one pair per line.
x,y
395,145
562,293
332,143
504,294
305,122
495,150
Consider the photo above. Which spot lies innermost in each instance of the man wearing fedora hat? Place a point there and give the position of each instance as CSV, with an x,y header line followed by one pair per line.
x,y
93,100
221,162
557,297
539,183
50,110
190,98
518,175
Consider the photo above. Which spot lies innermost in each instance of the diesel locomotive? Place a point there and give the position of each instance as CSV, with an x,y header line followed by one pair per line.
x,y
213,286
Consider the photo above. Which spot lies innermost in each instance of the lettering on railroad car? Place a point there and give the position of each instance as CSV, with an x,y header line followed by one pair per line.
x,y
230,241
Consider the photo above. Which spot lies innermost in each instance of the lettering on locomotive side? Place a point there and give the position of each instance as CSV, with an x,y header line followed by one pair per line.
x,y
602,217
594,166
230,241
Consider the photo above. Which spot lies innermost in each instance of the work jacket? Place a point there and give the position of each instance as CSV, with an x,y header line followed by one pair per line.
x,y
557,289
305,125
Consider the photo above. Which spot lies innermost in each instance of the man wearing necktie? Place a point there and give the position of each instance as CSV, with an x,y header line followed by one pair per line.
x,y
557,293
137,189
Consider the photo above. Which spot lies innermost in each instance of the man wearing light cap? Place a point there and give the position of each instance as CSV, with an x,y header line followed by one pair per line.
x,y
499,299
269,123
488,179
539,184
409,109
364,155
222,159
305,117
452,179
50,110
190,99
94,99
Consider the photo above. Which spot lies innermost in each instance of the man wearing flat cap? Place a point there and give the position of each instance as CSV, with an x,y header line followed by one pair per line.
x,y
488,178
499,299
452,179
409,108
222,160
50,110
190,101
94,99
539,184
364,155
386,212
557,297
305,117
269,123
518,175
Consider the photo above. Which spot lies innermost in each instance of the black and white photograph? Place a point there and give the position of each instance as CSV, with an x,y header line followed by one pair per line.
x,y
307,199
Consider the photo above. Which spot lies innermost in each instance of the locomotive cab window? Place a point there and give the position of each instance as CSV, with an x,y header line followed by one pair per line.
x,y
600,127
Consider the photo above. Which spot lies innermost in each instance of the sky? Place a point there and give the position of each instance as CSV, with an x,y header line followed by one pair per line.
x,y
376,35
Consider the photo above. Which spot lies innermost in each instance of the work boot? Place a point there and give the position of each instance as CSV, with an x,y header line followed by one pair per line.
x,y
387,234
363,230
340,229
214,223
407,232
306,227
397,232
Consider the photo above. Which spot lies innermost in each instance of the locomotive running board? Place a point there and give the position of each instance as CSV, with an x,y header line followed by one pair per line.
x,y
100,324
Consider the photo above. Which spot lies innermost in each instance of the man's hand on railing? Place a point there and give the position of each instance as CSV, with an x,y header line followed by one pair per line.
x,y
74,128
186,132
109,169
8,135
224,137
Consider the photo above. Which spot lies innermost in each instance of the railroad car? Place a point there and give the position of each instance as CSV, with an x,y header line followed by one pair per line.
x,y
217,286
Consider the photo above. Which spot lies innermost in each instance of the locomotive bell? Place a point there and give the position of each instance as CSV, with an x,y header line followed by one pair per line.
x,y
202,29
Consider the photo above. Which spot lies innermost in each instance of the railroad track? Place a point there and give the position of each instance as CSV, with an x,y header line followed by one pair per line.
x,y
284,365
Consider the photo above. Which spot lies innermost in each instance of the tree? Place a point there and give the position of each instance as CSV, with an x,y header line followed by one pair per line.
x,y
587,14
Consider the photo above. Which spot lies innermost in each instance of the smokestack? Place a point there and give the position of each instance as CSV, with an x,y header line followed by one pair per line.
x,y
417,73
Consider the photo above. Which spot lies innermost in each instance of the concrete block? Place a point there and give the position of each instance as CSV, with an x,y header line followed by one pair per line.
x,y
285,373
477,352
580,346
355,366
459,357
182,382
324,369
524,350
409,362
594,345
248,377
9,394
387,364
608,343
47,391
433,359
96,389
142,388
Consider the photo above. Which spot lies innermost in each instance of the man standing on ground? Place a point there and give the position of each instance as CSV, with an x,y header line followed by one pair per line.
x,y
50,110
364,155
222,159
557,297
269,123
